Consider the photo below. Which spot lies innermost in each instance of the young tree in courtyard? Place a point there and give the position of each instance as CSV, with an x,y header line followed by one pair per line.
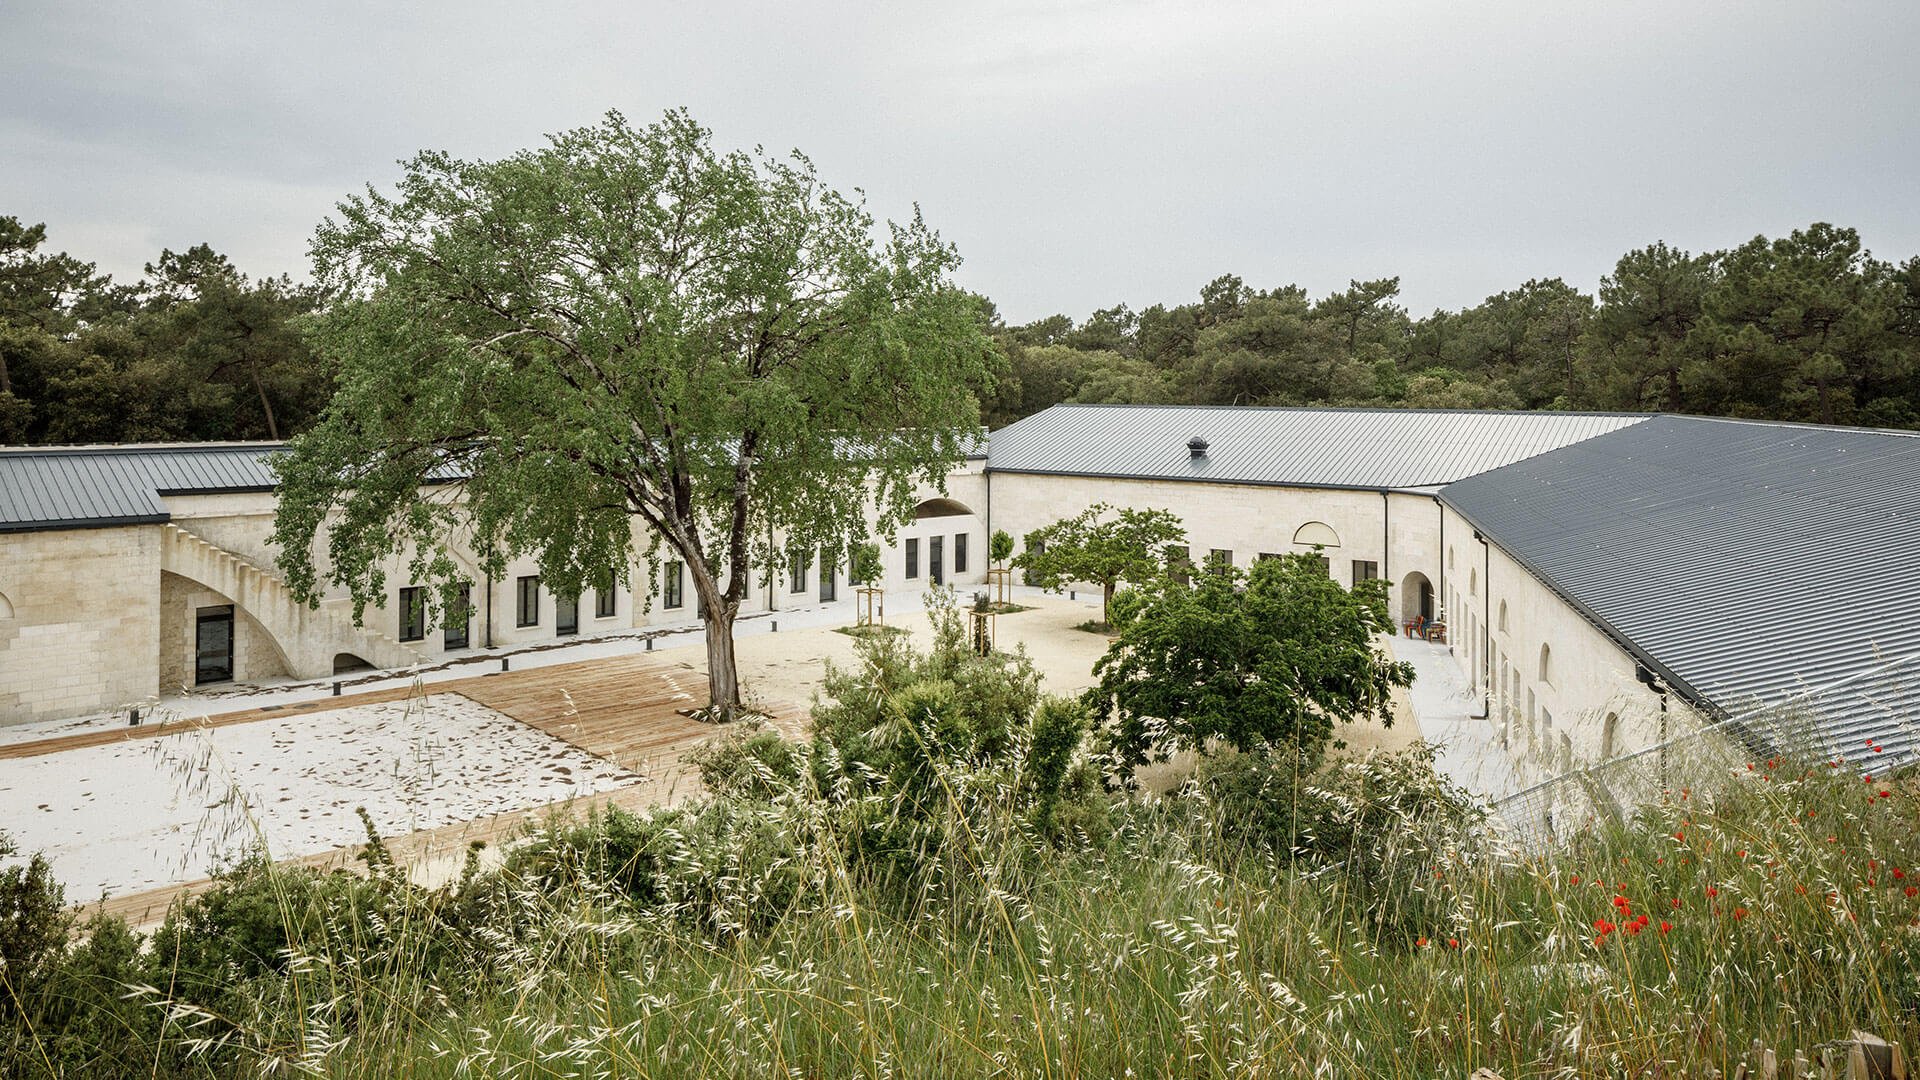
x,y
624,325
1272,660
1124,547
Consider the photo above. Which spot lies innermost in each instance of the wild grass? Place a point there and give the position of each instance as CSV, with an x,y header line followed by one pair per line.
x,y
901,907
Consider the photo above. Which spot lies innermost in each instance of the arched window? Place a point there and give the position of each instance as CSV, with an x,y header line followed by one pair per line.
x,y
1449,557
1609,736
1503,616
1317,533
1546,664
6,607
1473,583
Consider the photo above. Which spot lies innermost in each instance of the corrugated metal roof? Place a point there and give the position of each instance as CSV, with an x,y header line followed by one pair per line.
x,y
1302,447
83,487
1756,562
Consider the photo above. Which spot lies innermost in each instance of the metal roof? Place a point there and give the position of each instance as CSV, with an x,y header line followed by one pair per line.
x,y
91,487
1756,563
1401,449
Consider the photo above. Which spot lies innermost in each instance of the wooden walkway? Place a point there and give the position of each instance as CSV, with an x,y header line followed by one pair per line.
x,y
628,710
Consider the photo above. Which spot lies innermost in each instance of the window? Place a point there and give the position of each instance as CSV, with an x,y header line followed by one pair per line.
x,y
1221,558
527,607
936,566
454,634
797,572
605,597
853,565
1364,570
1266,555
1179,562
829,586
1546,665
1610,737
1473,583
1503,616
959,553
673,585
913,558
413,613
566,615
1326,564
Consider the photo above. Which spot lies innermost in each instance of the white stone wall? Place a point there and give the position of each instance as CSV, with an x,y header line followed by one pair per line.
x,y
1563,718
83,634
1398,531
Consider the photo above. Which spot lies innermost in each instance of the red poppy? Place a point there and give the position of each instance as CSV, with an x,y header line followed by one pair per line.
x,y
1739,913
1912,892
1712,892
1422,943
1665,926
1453,943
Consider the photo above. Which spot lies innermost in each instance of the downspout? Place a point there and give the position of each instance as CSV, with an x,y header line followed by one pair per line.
x,y
1486,632
1442,598
489,610
1386,537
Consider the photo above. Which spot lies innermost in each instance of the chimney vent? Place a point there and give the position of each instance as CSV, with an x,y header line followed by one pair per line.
x,y
1197,447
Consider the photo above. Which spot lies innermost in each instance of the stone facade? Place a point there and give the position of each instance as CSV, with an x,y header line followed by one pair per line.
x,y
83,634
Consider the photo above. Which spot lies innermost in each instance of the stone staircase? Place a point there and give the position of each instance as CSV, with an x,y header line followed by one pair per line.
x,y
309,637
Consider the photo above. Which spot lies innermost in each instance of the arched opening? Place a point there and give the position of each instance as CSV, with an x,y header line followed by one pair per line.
x,y
6,607
1503,616
1316,533
1416,598
940,508
1473,583
346,662
1609,735
1546,664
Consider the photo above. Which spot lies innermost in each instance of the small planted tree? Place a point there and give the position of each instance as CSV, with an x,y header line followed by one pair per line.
x,y
866,568
1000,548
999,578
1102,547
1265,660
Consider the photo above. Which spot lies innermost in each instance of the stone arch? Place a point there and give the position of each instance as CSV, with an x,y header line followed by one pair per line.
x,y
941,508
1503,616
1610,737
1316,533
346,661
1546,663
6,607
1416,598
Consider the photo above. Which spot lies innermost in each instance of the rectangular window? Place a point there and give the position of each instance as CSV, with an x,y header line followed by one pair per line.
x,y
454,634
606,598
527,608
673,585
936,569
1364,570
1179,562
566,615
829,577
797,572
853,565
913,559
1326,564
1221,557
1265,556
959,553
413,613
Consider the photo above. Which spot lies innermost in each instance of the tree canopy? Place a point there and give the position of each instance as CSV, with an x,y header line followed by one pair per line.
x,y
1101,550
1269,659
624,326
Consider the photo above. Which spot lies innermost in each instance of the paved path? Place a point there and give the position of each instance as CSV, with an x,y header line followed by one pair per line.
x,y
1470,750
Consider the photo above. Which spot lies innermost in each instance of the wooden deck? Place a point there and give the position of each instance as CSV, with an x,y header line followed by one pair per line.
x,y
628,710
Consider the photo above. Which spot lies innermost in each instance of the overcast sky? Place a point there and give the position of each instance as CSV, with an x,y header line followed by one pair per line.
x,y
1079,154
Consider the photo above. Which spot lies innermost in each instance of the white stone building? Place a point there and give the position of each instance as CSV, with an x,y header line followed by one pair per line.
x,y
1598,574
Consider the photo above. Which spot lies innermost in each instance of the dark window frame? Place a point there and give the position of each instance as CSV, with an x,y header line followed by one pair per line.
x,y
1365,570
798,563
673,584
458,631
959,553
526,601
606,597
913,559
566,615
413,613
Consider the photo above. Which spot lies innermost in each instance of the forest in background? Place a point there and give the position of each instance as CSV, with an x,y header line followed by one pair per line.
x,y
1807,327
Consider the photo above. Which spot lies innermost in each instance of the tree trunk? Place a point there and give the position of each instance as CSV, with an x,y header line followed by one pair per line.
x,y
723,672
273,429
1106,599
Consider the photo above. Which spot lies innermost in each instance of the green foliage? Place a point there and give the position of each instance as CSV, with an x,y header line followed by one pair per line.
x,y
867,567
625,330
1000,547
1125,547
1271,665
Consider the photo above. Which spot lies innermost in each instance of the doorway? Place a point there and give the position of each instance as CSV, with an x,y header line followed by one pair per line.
x,y
213,646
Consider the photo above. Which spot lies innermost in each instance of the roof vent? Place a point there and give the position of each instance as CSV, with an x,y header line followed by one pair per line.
x,y
1197,446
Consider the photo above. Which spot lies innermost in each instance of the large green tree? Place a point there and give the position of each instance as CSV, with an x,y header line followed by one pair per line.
x,y
1101,550
1271,660
624,325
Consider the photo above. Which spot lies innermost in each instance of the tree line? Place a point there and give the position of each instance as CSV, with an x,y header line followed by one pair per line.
x,y
193,351
1808,327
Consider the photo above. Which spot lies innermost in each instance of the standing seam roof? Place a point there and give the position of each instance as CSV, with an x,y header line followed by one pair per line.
x,y
84,487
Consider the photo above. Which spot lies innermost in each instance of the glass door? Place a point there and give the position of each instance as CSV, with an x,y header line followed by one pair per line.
x,y
213,646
